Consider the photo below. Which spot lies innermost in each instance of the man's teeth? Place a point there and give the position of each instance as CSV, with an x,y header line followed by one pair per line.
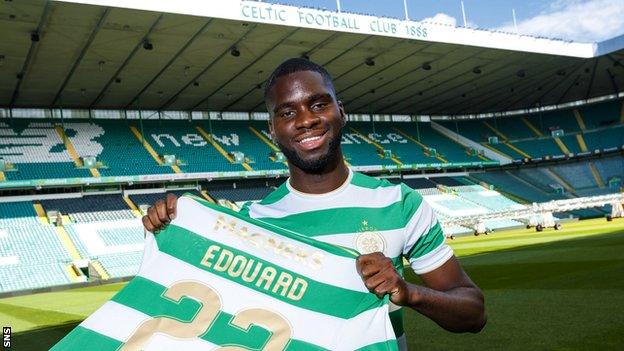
x,y
309,139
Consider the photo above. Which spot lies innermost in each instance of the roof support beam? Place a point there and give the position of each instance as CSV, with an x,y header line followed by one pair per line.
x,y
123,65
616,90
523,91
94,32
308,53
330,61
489,72
385,51
225,52
260,57
565,92
411,84
45,16
591,80
410,54
490,91
616,63
557,84
173,59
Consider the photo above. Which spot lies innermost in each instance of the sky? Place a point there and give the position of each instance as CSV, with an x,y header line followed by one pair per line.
x,y
578,20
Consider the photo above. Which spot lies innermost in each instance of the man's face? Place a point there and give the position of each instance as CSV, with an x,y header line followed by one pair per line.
x,y
306,121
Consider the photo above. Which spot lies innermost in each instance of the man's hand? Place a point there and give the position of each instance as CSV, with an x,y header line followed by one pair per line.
x,y
160,214
381,278
449,297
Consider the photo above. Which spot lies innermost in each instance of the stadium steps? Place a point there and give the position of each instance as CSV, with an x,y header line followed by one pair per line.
x,y
99,268
481,157
220,149
413,140
516,149
266,141
562,146
67,242
485,144
581,142
133,207
496,131
506,142
379,147
579,119
527,183
530,125
41,214
150,149
73,274
596,175
72,151
204,193
560,180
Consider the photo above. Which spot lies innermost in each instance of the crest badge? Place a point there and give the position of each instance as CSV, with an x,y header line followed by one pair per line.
x,y
368,241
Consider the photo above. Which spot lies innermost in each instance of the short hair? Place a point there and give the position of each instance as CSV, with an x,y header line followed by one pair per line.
x,y
297,64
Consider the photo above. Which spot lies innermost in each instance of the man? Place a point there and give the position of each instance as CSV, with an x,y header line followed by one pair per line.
x,y
324,199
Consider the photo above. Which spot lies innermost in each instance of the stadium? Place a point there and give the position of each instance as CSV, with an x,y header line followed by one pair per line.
x,y
516,141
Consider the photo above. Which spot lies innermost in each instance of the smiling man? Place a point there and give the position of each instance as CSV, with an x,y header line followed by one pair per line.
x,y
324,199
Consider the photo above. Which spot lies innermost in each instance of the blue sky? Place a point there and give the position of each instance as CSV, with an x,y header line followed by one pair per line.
x,y
579,20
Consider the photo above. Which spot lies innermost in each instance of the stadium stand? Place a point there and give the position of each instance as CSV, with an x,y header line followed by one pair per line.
x,y
91,208
148,199
448,149
238,136
123,153
116,245
383,134
586,128
601,115
36,151
28,248
241,193
191,148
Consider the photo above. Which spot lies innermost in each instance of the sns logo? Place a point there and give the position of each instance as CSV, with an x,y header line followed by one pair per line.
x,y
6,337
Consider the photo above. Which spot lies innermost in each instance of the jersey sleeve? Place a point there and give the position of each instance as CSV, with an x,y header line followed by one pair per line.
x,y
425,248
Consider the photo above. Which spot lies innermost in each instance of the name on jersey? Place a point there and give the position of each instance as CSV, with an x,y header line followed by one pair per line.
x,y
268,278
270,243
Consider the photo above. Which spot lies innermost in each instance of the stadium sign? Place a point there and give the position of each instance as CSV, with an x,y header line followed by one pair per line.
x,y
303,17
299,17
39,183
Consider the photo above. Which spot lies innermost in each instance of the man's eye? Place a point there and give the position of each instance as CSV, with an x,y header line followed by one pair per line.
x,y
319,106
287,114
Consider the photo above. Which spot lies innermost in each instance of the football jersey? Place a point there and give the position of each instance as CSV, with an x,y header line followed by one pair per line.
x,y
216,280
366,214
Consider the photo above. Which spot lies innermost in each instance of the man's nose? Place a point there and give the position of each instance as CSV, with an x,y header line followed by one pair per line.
x,y
306,119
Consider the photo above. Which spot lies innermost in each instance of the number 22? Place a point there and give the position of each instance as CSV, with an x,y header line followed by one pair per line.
x,y
205,316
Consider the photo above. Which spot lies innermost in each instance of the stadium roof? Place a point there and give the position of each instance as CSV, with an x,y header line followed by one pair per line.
x,y
215,55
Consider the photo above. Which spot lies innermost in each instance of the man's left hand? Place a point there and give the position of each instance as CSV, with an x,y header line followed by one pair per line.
x,y
381,278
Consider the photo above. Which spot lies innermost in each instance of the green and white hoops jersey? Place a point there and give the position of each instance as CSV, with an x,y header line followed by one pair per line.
x,y
216,280
365,214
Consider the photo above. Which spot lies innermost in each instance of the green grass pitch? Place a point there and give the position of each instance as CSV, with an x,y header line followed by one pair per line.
x,y
555,290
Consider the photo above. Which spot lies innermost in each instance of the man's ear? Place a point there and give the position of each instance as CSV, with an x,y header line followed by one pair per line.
x,y
343,115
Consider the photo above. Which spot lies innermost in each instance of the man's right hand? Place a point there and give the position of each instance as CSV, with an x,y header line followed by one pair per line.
x,y
160,214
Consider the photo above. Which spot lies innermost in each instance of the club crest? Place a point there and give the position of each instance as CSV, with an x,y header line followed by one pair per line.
x,y
368,241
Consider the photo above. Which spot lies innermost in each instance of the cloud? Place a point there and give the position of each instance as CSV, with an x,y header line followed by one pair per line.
x,y
583,21
441,18
448,20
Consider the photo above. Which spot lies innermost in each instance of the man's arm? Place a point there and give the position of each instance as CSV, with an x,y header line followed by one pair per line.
x,y
160,214
449,298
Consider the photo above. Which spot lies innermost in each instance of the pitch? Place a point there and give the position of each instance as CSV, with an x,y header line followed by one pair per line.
x,y
550,290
